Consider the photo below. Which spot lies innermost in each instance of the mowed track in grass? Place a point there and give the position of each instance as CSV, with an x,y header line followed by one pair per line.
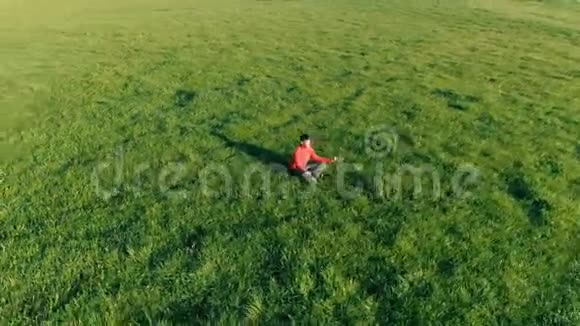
x,y
160,90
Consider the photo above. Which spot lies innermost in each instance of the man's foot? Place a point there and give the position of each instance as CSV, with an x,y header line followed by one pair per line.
x,y
312,180
309,178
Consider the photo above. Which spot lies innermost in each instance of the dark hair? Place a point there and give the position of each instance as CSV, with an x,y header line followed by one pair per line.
x,y
304,137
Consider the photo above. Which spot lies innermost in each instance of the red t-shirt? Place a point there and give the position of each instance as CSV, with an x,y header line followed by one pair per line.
x,y
302,155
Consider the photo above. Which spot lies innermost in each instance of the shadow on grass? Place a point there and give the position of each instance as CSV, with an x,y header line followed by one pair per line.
x,y
260,153
182,97
517,187
456,101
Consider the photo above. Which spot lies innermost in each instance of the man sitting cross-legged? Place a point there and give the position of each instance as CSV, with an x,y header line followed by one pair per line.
x,y
303,154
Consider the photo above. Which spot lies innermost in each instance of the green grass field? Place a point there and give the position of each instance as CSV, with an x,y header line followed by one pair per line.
x,y
129,130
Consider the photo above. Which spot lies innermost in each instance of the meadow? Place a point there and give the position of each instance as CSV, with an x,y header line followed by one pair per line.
x,y
136,135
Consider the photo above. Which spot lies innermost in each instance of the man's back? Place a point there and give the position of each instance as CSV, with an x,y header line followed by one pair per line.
x,y
302,155
300,158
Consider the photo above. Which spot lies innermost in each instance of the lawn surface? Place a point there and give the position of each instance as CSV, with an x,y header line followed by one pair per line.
x,y
129,130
